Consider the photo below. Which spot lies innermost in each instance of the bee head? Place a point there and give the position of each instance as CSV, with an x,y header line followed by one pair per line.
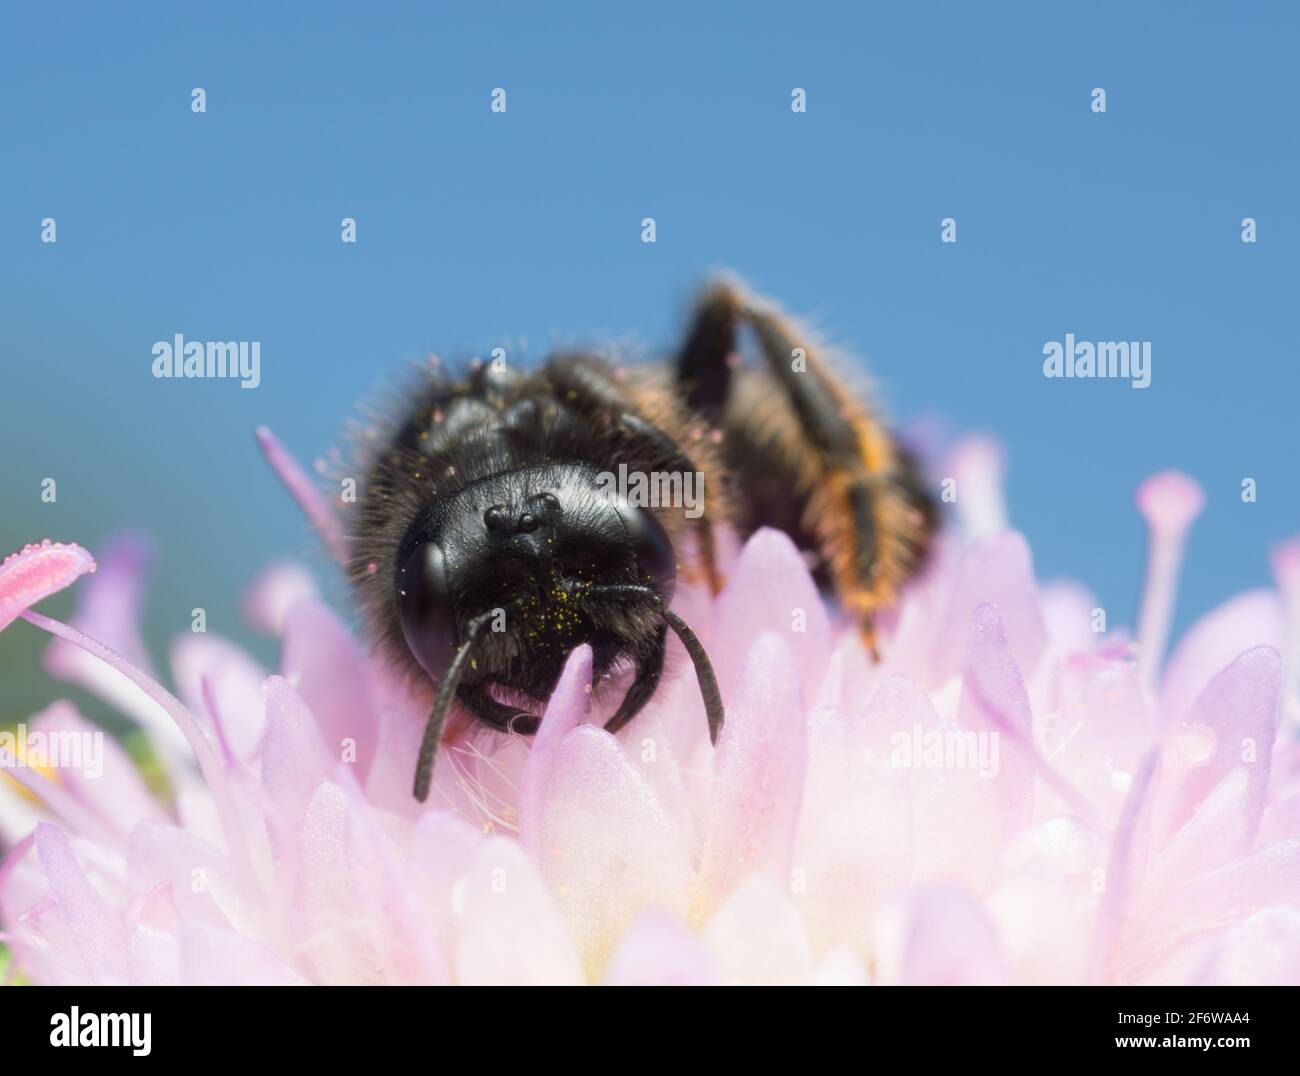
x,y
527,550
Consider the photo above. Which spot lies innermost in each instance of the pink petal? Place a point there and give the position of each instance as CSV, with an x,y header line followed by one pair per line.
x,y
1233,723
1270,875
1097,722
1285,560
910,645
338,948
842,967
235,681
303,490
997,570
229,809
96,930
1248,620
758,774
1281,820
827,769
756,938
650,745
659,951
565,710
771,590
195,873
44,947
408,953
978,464
322,663
50,794
36,572
897,707
19,813
108,608
1263,950
294,761
1067,615
855,831
360,924
108,783
606,848
155,957
22,882
275,592
399,730
1183,914
994,700
442,849
156,910
511,933
938,935
1125,868
1044,900
35,928
214,956
1221,829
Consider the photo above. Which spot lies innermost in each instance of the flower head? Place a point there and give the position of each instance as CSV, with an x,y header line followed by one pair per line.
x,y
1012,793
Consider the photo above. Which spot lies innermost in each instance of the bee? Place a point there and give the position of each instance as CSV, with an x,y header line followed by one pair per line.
x,y
489,542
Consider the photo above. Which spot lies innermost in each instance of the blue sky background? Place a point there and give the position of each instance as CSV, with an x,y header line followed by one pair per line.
x,y
477,229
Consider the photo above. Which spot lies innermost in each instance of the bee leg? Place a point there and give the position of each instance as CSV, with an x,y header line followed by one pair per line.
x,y
872,518
588,384
500,716
704,363
863,503
649,669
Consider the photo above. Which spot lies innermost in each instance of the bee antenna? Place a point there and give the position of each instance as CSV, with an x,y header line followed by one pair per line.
x,y
442,707
704,673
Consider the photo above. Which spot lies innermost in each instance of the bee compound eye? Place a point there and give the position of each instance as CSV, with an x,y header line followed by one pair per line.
x,y
656,562
425,609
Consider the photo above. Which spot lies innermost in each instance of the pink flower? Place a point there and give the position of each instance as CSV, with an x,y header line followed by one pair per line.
x,y
1017,792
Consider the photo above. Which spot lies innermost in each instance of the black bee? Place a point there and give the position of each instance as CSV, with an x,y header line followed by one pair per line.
x,y
490,543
